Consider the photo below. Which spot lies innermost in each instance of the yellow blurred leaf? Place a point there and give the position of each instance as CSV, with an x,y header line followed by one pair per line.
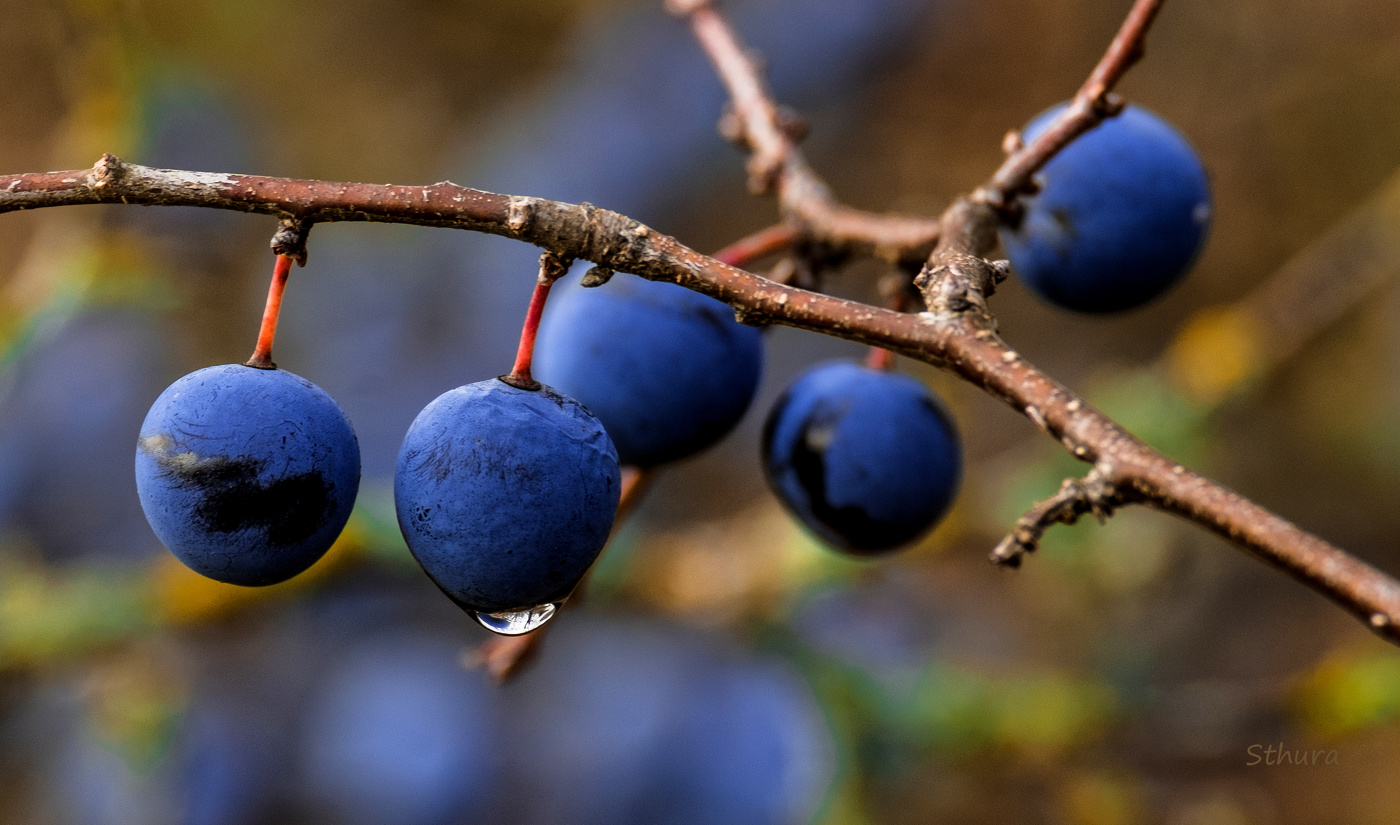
x,y
134,702
1098,799
1347,693
1215,352
186,597
1049,713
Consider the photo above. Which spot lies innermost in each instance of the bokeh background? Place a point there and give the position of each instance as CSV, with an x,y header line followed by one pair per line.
x,y
725,668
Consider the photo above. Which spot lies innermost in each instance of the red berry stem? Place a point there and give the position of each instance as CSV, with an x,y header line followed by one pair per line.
x,y
552,268
762,243
880,359
635,482
520,375
262,354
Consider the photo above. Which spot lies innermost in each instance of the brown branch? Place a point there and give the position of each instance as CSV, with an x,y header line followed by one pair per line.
x,y
777,165
958,278
1291,307
1092,104
579,231
957,332
955,285
1076,498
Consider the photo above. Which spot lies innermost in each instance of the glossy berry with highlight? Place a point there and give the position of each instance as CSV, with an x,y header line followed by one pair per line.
x,y
506,495
1122,213
867,459
667,370
247,475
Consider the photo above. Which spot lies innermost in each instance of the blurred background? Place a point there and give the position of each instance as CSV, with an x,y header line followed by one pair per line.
x,y
725,667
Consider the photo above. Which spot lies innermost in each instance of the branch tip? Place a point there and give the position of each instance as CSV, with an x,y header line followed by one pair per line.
x,y
1093,495
685,8
1011,142
770,134
1092,103
597,276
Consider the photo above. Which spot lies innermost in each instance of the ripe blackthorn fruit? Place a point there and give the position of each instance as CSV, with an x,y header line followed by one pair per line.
x,y
667,370
505,496
1121,215
248,475
867,459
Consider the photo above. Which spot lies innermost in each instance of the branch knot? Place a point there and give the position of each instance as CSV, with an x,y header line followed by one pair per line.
x,y
290,239
108,169
519,212
960,283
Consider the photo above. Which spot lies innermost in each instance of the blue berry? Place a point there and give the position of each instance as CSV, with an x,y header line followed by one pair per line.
x,y
247,475
667,370
867,459
400,734
1122,213
227,770
506,495
638,723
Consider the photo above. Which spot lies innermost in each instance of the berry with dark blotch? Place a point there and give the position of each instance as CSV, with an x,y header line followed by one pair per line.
x,y
247,475
867,459
1121,215
667,370
506,495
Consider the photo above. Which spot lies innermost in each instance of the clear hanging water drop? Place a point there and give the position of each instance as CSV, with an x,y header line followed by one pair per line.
x,y
517,622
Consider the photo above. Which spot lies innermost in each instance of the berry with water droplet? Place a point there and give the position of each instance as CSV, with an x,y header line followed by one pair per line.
x,y
506,495
517,622
867,459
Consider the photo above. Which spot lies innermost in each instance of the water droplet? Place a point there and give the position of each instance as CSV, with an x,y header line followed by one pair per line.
x,y
517,622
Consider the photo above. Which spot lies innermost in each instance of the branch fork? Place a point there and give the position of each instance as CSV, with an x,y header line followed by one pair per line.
x,y
961,284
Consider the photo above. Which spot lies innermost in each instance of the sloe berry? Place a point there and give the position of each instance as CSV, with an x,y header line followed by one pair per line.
x,y
247,475
867,459
667,370
1120,217
506,495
